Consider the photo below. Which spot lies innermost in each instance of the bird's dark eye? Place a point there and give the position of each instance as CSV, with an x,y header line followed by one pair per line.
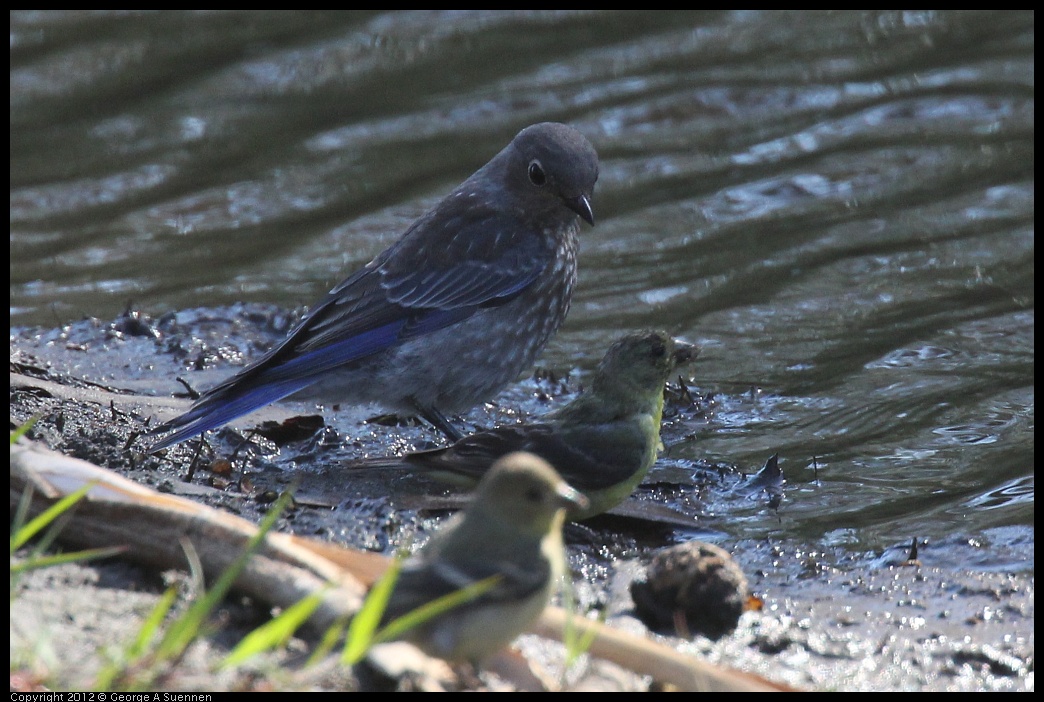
x,y
536,173
534,494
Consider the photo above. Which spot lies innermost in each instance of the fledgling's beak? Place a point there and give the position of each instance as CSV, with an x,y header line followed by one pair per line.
x,y
684,352
571,499
582,206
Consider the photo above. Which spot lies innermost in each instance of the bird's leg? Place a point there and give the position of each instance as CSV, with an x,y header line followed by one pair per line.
x,y
438,420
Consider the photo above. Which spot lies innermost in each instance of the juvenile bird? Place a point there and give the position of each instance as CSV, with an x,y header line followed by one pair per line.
x,y
513,530
602,443
448,315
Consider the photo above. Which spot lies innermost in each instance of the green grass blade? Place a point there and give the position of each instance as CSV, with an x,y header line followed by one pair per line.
x,y
182,632
21,431
576,643
137,649
275,633
26,501
150,627
60,558
436,608
364,624
330,638
30,530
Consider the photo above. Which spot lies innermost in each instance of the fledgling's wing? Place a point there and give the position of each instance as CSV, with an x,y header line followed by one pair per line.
x,y
588,457
424,581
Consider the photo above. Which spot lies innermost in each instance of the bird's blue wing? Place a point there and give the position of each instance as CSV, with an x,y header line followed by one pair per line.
x,y
455,260
447,266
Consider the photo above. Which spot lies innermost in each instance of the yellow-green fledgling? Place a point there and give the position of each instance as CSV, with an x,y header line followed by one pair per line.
x,y
603,443
513,530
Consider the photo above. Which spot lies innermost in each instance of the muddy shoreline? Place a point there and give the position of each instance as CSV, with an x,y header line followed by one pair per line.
x,y
830,620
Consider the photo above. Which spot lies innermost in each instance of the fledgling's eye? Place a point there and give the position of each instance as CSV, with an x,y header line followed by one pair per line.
x,y
536,173
534,494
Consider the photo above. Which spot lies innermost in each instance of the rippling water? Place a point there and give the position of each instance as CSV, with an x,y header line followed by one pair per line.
x,y
838,206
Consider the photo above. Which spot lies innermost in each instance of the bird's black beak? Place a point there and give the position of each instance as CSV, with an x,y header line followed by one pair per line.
x,y
582,206
684,352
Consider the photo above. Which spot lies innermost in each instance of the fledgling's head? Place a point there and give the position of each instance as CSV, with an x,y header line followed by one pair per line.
x,y
550,167
643,361
524,490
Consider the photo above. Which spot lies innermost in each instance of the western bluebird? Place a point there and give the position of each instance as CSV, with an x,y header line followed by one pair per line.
x,y
448,315
603,442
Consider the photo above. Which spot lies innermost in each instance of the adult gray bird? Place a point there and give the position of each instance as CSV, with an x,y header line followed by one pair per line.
x,y
448,315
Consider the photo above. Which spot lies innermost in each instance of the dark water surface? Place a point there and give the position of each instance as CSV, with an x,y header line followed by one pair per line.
x,y
838,206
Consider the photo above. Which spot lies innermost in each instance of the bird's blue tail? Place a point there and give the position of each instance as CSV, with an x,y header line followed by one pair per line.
x,y
220,409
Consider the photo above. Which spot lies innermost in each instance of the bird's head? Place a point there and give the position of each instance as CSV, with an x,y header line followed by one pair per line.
x,y
523,489
551,166
643,361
